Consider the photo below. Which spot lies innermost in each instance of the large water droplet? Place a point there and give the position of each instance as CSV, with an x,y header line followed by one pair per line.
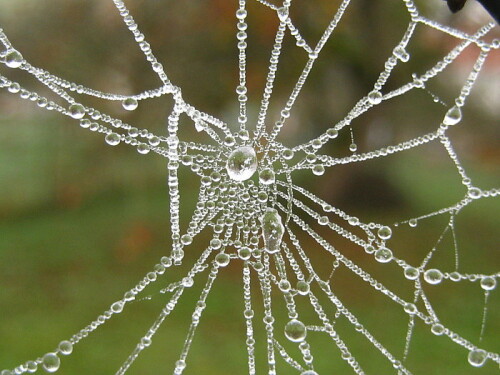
x,y
242,163
77,111
384,233
302,287
453,116
477,357
488,283
112,139
295,331
383,255
66,347
375,97
14,59
411,273
433,276
130,104
283,13
51,362
272,230
222,259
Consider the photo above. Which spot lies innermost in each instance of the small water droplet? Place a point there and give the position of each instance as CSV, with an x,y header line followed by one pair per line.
x,y
272,230
130,104
384,233
31,366
66,347
412,223
222,259
241,14
488,283
383,255
375,97
410,308
187,282
77,111
244,253
302,287
295,330
433,276
283,14
51,362
437,329
112,139
287,154
266,176
284,285
241,163
453,116
474,193
353,147
411,273
318,170
14,59
309,372
186,239
117,307
477,357
332,133
143,148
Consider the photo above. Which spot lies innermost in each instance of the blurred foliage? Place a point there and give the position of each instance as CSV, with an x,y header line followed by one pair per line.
x,y
81,221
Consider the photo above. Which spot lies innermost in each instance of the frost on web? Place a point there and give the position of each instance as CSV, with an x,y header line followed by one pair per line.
x,y
262,222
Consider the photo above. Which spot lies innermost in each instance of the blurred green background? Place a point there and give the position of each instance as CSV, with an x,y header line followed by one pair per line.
x,y
81,222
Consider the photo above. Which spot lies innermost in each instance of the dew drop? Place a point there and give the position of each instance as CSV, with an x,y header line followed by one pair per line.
x,y
318,170
244,253
222,259
112,139
412,223
410,308
488,283
272,230
186,239
302,287
375,97
31,366
353,147
130,104
51,362
411,273
266,176
332,133
287,154
14,59
433,276
117,307
383,255
241,163
384,233
66,347
284,285
295,330
77,111
437,329
241,14
283,14
453,116
477,357
143,148
187,282
474,193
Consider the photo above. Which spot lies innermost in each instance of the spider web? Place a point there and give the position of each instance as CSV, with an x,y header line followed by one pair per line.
x,y
265,225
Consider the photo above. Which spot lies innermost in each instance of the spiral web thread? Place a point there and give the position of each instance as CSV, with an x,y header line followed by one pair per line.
x,y
235,211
